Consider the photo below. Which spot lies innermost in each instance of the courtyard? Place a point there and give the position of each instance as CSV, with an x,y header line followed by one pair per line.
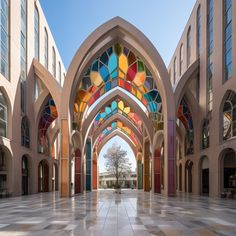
x,y
103,212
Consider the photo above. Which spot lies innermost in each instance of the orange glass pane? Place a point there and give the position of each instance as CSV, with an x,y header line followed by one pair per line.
x,y
140,78
96,78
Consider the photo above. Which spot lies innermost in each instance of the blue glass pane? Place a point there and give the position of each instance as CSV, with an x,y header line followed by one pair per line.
x,y
104,58
152,107
108,110
104,73
103,115
114,74
109,51
108,86
114,105
113,63
95,65
98,117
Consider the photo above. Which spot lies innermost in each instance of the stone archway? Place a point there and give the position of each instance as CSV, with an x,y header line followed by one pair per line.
x,y
109,35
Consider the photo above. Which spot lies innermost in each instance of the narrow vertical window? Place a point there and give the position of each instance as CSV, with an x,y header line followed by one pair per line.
x,y
227,39
4,52
199,25
54,62
209,53
189,44
181,62
175,70
45,48
3,115
23,63
36,33
59,72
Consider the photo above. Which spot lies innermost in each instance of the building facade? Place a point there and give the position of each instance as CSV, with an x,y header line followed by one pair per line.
x,y
180,121
108,180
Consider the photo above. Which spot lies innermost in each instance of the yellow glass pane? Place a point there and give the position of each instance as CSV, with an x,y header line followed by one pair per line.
x,y
121,105
84,96
139,79
82,107
123,63
96,78
143,89
127,110
121,74
76,107
139,95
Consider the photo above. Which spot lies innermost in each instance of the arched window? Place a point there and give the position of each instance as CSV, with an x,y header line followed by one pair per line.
x,y
205,134
45,48
3,116
227,39
199,25
54,70
189,44
181,61
229,116
25,132
36,33
4,69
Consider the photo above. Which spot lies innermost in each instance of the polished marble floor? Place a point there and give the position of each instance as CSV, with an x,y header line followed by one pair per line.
x,y
105,213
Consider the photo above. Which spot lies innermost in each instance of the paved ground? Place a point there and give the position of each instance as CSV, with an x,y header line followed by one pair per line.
x,y
106,213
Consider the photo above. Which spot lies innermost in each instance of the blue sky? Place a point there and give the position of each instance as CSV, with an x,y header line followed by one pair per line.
x,y
161,21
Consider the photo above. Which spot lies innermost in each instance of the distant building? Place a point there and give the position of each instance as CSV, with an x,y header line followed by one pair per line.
x,y
108,180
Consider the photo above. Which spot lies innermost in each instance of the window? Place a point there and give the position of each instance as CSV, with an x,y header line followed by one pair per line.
x,y
209,52
229,116
2,161
36,89
205,134
175,70
23,35
199,25
4,52
3,116
23,39
181,60
25,132
53,62
45,48
189,44
227,39
59,72
36,33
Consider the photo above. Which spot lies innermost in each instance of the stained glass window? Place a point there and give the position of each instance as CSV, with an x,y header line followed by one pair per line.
x,y
117,125
184,115
49,114
229,116
117,106
118,66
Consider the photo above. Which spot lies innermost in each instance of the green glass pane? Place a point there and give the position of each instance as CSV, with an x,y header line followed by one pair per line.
x,y
140,66
118,49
